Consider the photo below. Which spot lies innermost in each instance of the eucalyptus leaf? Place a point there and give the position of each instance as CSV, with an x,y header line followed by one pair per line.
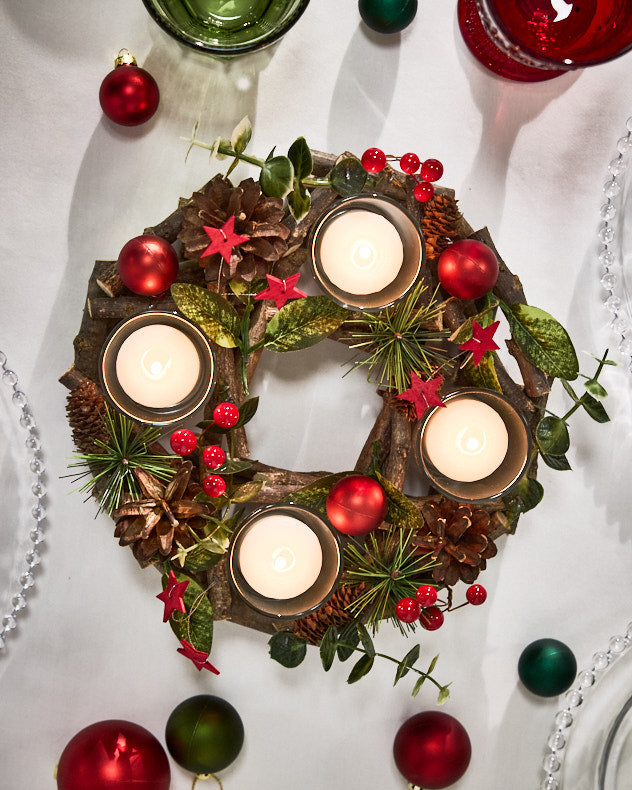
x,y
595,409
303,323
301,158
196,624
314,496
444,695
246,491
596,389
347,177
552,436
288,649
277,177
400,510
407,662
559,462
327,647
365,639
417,687
241,135
216,317
432,665
484,374
203,556
214,152
348,636
360,669
299,202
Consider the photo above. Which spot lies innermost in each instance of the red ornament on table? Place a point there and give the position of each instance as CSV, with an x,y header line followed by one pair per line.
x,y
128,95
183,441
467,269
432,750
148,265
226,415
431,618
407,610
213,456
426,595
214,485
113,755
356,504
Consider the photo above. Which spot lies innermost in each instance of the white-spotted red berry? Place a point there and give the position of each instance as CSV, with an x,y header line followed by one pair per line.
x,y
213,456
214,485
226,415
183,441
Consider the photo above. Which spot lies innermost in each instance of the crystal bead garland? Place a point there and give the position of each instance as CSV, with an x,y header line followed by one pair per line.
x,y
612,276
586,681
38,513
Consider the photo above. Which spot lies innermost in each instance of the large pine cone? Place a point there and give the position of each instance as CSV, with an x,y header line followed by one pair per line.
x,y
458,538
256,216
334,612
85,408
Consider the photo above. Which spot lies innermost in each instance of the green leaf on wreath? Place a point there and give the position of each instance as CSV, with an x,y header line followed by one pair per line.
x,y
558,462
299,201
301,158
246,491
196,624
444,695
595,409
543,340
552,437
241,135
417,687
216,317
526,495
233,466
288,649
482,375
347,177
314,495
203,556
360,669
367,642
328,647
277,177
596,389
400,511
303,323
407,662
348,640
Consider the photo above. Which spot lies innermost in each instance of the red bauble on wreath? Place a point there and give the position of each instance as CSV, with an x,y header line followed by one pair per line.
x,y
356,505
432,750
128,95
467,269
148,265
113,755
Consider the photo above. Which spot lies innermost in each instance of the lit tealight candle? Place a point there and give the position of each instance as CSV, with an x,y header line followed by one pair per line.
x,y
467,440
361,252
157,366
280,557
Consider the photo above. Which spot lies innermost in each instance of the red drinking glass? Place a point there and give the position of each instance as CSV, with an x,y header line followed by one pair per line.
x,y
533,40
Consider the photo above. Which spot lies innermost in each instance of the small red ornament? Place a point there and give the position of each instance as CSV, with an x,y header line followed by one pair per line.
x,y
171,596
431,618
198,657
373,160
467,269
423,192
148,265
481,342
407,610
213,456
226,415
431,170
432,750
409,163
223,240
281,290
214,485
426,595
113,755
183,441
356,504
128,95
423,394
476,594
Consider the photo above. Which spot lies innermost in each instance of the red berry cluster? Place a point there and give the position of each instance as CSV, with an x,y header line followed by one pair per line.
x,y
374,160
422,606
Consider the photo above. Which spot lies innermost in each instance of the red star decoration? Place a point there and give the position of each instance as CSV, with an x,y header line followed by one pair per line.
x,y
423,394
481,341
281,290
223,240
197,656
171,596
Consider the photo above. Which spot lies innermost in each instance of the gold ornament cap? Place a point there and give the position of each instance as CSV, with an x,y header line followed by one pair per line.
x,y
124,58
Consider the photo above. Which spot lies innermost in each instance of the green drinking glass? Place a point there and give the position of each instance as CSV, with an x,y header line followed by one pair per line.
x,y
226,28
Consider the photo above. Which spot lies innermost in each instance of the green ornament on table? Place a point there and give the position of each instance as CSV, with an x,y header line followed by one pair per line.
x,y
387,16
547,667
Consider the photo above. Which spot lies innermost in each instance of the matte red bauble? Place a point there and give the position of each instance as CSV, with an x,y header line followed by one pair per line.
x,y
468,269
113,755
128,95
432,750
356,505
148,265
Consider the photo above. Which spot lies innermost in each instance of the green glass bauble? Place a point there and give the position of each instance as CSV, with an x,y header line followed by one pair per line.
x,y
387,16
547,667
204,734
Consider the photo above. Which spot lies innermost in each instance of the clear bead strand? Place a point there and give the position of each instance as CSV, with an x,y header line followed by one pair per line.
x,y
35,464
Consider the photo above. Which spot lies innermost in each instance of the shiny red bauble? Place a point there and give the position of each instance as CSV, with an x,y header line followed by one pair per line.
x,y
476,594
113,755
423,191
213,456
468,269
409,163
431,170
407,610
226,415
432,750
373,160
426,595
431,618
148,265
129,95
356,505
183,441
214,485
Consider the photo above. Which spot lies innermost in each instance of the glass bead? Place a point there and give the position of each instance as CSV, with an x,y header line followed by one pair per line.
x,y
608,211
628,631
617,166
613,304
18,601
574,698
556,741
624,144
625,346
38,512
33,557
36,466
2,642
37,535
563,718
39,489
606,256
620,325
611,188
3,358
601,660
549,783
617,644
606,234
19,398
586,679
551,763
27,580
9,622
26,420
608,281
628,124
32,442
9,378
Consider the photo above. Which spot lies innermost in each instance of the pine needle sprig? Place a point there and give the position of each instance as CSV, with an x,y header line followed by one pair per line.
x,y
391,568
109,469
398,342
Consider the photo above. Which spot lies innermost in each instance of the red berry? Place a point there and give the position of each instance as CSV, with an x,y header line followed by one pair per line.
x,y
225,415
213,456
426,595
214,485
407,610
183,442
431,170
373,160
423,191
431,618
476,594
409,163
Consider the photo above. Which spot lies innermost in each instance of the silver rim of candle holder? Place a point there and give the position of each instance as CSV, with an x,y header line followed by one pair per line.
x,y
308,601
500,481
118,398
412,241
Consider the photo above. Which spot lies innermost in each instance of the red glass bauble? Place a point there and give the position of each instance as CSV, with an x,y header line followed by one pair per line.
x,y
432,749
113,755
129,95
356,505
468,269
148,265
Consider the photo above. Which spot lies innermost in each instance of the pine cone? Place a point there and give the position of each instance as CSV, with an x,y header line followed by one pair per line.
x,y
334,612
256,216
85,408
439,224
459,539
